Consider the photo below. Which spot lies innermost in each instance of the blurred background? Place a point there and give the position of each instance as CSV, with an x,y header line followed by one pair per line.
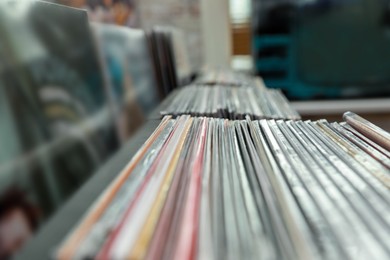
x,y
79,77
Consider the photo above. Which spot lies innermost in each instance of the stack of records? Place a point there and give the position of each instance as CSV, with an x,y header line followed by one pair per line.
x,y
206,188
161,48
232,102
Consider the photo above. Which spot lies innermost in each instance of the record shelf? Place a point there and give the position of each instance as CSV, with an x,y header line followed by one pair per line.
x,y
310,155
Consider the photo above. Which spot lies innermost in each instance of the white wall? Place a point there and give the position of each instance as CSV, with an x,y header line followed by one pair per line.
x,y
216,32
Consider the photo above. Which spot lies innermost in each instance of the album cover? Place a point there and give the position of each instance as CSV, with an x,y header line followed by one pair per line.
x,y
55,102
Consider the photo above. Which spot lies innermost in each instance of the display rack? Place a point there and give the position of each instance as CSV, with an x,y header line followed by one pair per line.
x,y
52,234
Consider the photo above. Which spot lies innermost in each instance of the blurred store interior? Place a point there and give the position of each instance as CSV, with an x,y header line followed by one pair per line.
x,y
78,78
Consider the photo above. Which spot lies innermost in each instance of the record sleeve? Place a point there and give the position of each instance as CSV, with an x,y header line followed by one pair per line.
x,y
365,139
385,161
367,128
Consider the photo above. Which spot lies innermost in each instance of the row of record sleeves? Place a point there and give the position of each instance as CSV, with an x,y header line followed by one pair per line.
x,y
209,188
230,99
